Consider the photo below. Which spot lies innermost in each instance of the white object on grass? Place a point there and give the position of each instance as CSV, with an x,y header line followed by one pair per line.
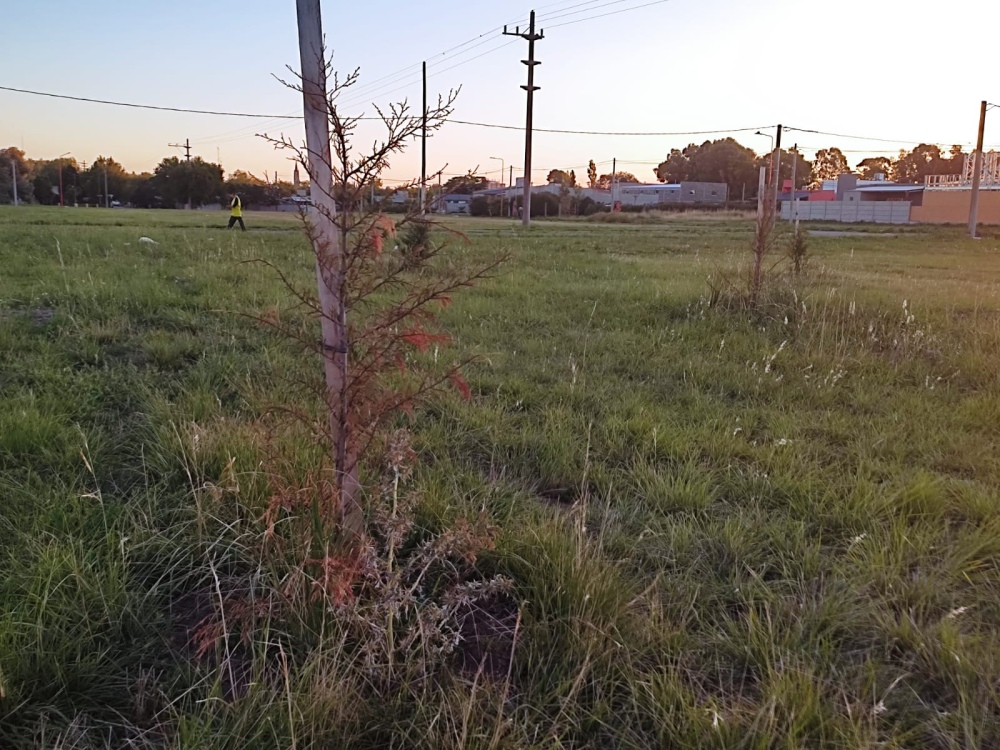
x,y
148,241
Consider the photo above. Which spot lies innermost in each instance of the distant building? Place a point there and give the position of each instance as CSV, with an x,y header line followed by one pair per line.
x,y
948,198
579,193
454,203
850,199
632,194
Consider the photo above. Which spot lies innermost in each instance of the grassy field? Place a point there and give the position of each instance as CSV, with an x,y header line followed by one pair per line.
x,y
725,530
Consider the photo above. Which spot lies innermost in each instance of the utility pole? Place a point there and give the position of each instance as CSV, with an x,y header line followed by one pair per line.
x,y
977,174
510,198
107,198
13,170
792,209
777,168
186,146
326,244
761,191
614,172
423,150
531,88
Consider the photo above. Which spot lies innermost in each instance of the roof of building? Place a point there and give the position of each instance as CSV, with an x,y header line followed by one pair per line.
x,y
888,187
656,185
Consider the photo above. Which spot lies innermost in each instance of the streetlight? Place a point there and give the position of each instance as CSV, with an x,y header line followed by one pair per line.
x,y
770,163
503,171
59,159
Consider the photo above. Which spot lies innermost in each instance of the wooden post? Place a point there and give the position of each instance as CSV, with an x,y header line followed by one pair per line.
x,y
977,174
531,88
423,148
791,205
777,169
326,245
761,190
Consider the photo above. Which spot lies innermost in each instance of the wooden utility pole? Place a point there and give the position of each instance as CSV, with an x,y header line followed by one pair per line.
x,y
614,172
761,191
186,146
326,244
777,169
13,171
423,150
531,88
977,174
510,198
791,205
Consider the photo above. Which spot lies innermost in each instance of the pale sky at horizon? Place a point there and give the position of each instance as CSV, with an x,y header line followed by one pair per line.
x,y
878,68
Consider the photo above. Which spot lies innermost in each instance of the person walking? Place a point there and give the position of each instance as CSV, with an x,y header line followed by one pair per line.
x,y
236,212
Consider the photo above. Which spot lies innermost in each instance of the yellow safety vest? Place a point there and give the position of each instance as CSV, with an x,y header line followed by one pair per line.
x,y
237,207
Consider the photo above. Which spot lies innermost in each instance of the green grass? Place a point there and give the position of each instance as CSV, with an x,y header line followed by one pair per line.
x,y
724,530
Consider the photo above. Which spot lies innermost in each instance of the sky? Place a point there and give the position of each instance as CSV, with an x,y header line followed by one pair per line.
x,y
901,70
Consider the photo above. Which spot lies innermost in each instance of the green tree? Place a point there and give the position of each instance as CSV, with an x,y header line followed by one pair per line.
x,y
196,181
252,190
677,166
559,177
913,166
592,174
92,182
724,160
803,168
25,190
45,181
465,184
142,191
955,163
604,181
873,165
829,164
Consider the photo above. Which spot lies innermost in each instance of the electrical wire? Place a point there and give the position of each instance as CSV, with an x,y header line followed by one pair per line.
x,y
367,93
550,16
612,13
598,132
873,139
583,10
143,106
457,122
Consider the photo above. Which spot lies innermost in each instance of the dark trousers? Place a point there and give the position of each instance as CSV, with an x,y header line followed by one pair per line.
x,y
234,219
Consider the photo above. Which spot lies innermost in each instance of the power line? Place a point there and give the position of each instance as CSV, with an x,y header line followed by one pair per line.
x,y
354,100
549,16
611,13
582,10
366,91
895,141
291,116
610,133
262,116
142,106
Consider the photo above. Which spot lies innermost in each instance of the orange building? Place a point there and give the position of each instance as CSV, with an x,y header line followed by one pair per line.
x,y
952,207
947,198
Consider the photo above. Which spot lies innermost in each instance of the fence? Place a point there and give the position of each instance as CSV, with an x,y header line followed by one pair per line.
x,y
874,212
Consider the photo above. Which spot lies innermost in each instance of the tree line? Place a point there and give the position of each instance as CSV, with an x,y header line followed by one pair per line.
x,y
177,182
174,183
726,160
